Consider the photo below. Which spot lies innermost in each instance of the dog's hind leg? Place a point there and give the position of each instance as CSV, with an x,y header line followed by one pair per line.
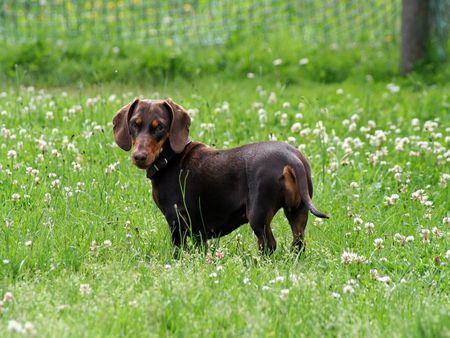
x,y
260,216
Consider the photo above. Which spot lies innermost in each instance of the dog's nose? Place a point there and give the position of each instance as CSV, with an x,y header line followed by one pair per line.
x,y
140,157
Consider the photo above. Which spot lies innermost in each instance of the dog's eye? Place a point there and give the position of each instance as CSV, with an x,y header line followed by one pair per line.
x,y
159,127
135,125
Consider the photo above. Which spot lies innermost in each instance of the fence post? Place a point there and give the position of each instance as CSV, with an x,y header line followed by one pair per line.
x,y
415,33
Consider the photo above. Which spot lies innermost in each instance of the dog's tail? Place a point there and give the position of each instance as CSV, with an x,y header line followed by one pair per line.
x,y
297,188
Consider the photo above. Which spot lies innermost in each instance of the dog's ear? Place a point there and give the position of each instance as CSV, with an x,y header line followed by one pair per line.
x,y
120,123
179,127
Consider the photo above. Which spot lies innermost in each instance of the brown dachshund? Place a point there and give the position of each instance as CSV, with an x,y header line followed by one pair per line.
x,y
206,193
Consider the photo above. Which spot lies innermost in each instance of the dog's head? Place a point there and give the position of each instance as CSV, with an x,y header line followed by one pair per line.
x,y
146,125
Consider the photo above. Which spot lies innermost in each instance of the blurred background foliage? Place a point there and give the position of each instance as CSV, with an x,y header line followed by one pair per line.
x,y
60,42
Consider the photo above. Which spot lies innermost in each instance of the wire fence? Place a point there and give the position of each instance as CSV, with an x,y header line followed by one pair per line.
x,y
205,22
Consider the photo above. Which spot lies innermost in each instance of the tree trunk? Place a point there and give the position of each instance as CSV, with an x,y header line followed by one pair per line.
x,y
415,33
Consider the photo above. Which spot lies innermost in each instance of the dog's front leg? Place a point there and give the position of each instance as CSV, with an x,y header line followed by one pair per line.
x,y
178,221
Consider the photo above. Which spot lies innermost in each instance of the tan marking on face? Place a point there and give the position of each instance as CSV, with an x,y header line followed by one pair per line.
x,y
138,121
152,148
155,123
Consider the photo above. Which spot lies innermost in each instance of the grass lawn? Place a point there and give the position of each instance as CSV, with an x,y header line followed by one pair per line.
x,y
84,251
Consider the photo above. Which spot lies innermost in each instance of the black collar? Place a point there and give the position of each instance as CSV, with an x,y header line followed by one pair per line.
x,y
163,160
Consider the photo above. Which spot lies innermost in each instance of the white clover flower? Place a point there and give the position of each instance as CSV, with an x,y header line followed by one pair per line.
x,y
277,62
400,239
12,154
447,255
42,145
68,191
378,243
348,289
286,105
107,243
360,259
262,119
384,279
318,221
15,197
15,326
437,232
430,126
49,115
371,124
303,61
369,227
284,119
358,220
446,220
93,246
419,195
80,186
409,239
28,243
292,140
250,75
296,127
391,200
393,88
443,179
112,167
8,297
246,280
336,295
425,233
213,275
55,183
428,204
219,254
272,98
76,167
5,132
29,328
305,132
378,138
39,158
348,257
193,112
85,289
127,225
400,143
209,127
284,294
374,274
354,185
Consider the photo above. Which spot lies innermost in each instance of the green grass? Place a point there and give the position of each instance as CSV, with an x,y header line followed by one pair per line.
x,y
137,289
